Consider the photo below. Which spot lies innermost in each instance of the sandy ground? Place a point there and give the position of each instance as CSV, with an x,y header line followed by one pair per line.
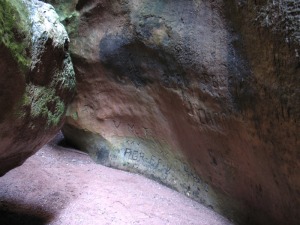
x,y
60,185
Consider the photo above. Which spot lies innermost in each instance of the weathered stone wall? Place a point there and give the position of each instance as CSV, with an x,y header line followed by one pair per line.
x,y
202,96
269,39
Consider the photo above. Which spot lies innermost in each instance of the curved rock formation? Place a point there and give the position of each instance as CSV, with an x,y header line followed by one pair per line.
x,y
200,95
36,79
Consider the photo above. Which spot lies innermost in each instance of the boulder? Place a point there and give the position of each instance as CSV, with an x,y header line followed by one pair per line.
x,y
202,96
36,78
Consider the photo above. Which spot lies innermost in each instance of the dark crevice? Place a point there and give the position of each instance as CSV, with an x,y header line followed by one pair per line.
x,y
61,141
67,144
81,3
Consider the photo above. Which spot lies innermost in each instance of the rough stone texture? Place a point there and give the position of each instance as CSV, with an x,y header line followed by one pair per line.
x,y
200,95
36,78
62,186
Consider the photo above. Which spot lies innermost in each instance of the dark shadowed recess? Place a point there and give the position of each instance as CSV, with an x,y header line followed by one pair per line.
x,y
81,3
64,143
60,140
14,213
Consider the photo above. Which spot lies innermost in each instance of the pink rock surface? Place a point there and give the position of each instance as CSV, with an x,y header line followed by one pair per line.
x,y
60,186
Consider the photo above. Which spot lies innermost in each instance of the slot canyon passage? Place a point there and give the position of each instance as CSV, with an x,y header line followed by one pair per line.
x,y
202,96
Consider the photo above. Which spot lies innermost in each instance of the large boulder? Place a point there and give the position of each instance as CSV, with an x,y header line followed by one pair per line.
x,y
36,78
200,95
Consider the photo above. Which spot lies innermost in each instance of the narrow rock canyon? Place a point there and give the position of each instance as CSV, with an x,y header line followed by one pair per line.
x,y
202,96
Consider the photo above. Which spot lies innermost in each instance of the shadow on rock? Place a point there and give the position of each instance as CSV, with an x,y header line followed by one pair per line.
x,y
12,213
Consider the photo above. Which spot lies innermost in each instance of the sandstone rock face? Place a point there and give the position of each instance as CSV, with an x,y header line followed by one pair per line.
x,y
200,95
36,78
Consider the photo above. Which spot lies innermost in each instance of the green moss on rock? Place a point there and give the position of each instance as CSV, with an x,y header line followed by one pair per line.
x,y
45,104
14,31
65,79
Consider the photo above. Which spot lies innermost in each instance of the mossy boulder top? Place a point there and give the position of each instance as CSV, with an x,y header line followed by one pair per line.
x,y
36,78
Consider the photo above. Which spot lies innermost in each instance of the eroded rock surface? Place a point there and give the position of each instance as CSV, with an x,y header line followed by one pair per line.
x,y
36,78
202,96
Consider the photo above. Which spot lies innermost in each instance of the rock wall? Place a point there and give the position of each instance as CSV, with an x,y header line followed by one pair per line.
x,y
36,79
202,96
